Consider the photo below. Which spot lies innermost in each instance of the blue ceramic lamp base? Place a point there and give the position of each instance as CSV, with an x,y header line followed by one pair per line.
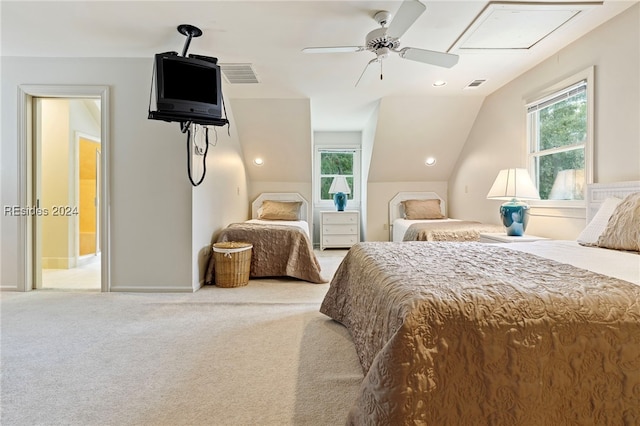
x,y
340,200
515,216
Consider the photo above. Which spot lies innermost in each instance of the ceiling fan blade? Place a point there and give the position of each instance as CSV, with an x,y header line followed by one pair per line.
x,y
365,69
432,57
407,14
335,49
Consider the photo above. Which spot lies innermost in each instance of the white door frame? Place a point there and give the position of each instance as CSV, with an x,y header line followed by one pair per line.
x,y
26,197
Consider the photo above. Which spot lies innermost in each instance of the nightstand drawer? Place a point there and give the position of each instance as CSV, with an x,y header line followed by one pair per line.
x,y
339,218
339,240
339,229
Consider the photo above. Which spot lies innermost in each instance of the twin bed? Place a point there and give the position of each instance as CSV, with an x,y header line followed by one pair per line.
x,y
523,333
422,216
279,233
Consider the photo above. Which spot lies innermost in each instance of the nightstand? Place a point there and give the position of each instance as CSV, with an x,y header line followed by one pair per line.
x,y
504,238
339,229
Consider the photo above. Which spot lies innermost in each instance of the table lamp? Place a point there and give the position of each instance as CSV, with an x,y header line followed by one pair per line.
x,y
514,185
340,188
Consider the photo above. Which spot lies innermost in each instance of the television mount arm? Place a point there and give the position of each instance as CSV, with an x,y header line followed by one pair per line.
x,y
189,31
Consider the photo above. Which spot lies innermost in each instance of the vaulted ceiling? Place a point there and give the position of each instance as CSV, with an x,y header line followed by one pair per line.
x,y
411,112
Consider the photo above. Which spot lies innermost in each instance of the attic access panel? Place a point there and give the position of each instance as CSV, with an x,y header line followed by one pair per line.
x,y
516,26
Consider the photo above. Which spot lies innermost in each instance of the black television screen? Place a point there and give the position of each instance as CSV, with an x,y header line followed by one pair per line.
x,y
187,89
189,81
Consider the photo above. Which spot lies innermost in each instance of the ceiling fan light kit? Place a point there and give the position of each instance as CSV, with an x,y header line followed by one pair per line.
x,y
386,39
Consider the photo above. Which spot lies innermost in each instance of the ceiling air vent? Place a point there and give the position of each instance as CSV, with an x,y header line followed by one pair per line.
x,y
239,73
475,84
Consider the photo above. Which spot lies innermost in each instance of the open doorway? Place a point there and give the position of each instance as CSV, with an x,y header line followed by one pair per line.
x,y
66,177
64,149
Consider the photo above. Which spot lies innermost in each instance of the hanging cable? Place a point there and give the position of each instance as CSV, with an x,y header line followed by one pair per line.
x,y
186,128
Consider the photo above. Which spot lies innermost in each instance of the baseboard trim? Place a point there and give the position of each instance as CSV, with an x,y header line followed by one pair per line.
x,y
140,289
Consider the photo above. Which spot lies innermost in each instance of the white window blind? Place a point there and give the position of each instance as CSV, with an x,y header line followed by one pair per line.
x,y
560,96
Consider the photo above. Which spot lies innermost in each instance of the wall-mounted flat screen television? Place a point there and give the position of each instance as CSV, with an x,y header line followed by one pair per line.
x,y
187,89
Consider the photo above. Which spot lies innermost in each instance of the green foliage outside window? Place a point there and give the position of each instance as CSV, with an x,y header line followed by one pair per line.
x,y
564,123
562,130
334,163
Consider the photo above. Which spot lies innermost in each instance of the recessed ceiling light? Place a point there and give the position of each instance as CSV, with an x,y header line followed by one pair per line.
x,y
258,161
430,161
439,83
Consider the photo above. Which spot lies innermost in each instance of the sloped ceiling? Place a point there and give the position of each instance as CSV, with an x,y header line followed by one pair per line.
x,y
410,129
300,93
279,132
271,34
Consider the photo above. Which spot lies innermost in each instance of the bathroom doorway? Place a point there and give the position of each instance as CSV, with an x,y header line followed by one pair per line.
x,y
66,176
64,147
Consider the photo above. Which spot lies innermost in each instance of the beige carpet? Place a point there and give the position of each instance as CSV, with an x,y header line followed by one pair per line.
x,y
260,354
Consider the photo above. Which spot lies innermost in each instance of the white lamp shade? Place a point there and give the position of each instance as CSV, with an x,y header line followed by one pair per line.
x,y
513,183
568,185
339,184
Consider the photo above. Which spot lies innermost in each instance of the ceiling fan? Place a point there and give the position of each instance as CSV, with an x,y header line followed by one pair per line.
x,y
382,41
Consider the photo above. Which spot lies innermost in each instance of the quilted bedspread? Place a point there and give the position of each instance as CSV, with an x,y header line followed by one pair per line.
x,y
466,333
449,231
278,250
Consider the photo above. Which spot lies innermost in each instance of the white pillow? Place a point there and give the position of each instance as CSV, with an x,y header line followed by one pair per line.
x,y
590,234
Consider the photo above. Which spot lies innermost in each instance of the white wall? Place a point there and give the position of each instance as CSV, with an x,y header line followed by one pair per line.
x,y
152,208
221,198
497,139
368,140
82,119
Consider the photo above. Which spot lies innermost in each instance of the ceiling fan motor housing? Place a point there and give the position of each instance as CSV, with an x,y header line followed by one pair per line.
x,y
378,39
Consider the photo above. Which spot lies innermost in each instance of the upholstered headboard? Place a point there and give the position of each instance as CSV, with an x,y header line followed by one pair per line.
x,y
281,196
598,192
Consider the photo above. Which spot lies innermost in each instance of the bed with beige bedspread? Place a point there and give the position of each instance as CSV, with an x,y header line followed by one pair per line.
x,y
278,250
460,230
421,216
470,333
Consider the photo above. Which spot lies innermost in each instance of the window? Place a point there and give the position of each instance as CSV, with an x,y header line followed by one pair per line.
x,y
332,163
559,141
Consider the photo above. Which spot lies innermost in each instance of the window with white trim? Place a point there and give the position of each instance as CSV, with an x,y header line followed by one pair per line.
x,y
333,162
559,129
